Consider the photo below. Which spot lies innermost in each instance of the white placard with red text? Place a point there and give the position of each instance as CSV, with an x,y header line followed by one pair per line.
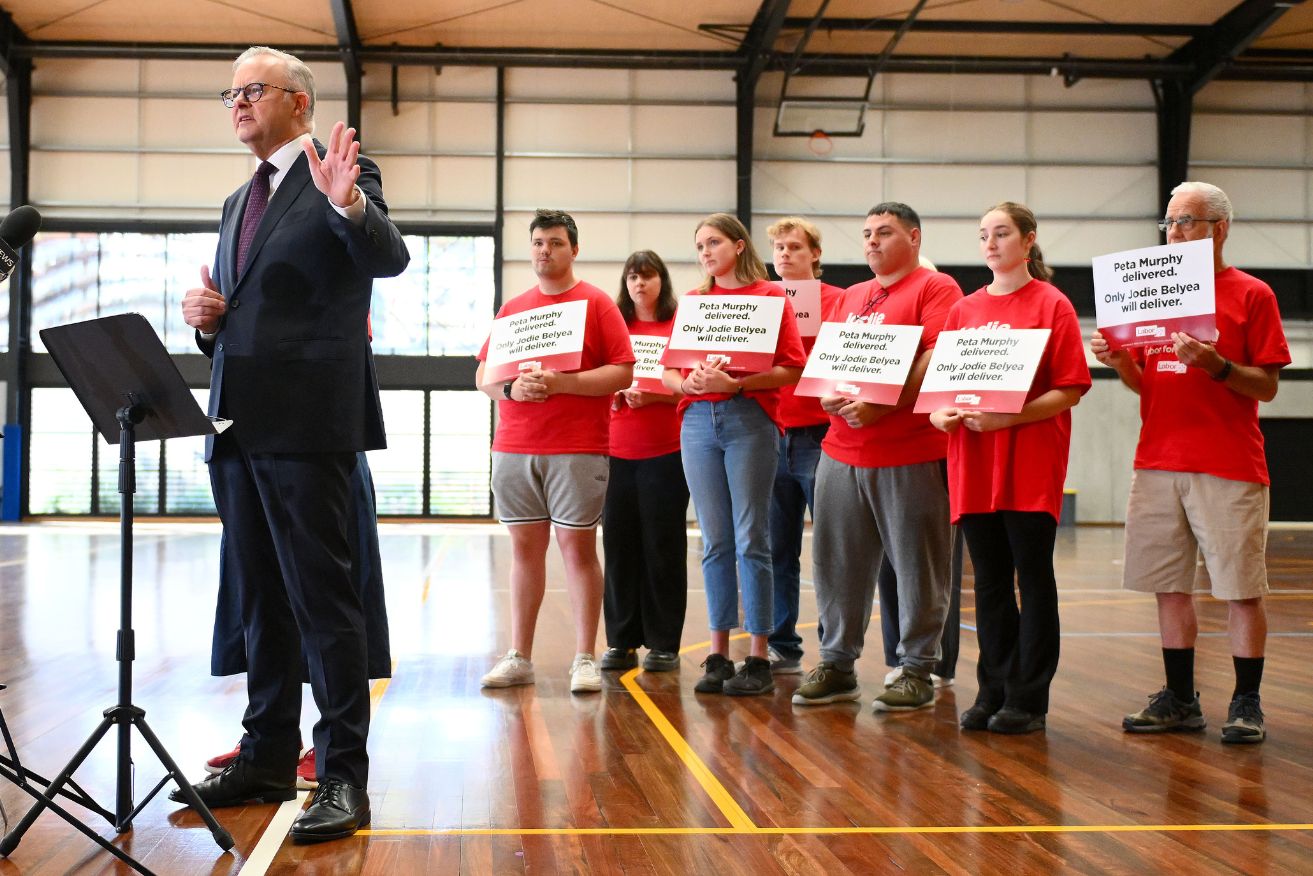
x,y
805,296
982,369
1143,295
647,363
739,331
551,338
863,362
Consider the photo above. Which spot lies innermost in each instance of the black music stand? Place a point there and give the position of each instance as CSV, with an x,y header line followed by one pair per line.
x,y
132,391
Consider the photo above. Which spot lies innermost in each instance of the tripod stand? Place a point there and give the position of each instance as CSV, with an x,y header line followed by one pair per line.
x,y
98,347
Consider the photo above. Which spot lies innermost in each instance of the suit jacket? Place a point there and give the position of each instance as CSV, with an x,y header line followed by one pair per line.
x,y
292,366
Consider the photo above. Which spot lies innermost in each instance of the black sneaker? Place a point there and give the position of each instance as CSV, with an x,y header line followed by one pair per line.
x,y
1244,719
719,669
977,717
619,658
660,661
1166,713
753,679
1015,721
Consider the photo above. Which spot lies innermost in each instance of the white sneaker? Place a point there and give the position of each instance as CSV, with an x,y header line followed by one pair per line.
x,y
512,669
939,683
584,675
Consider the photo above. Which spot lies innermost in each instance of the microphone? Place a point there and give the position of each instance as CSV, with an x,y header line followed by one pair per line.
x,y
16,231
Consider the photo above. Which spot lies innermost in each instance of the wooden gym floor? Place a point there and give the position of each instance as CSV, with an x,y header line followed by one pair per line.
x,y
648,777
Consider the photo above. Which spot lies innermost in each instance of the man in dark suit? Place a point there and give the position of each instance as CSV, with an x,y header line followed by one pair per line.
x,y
283,315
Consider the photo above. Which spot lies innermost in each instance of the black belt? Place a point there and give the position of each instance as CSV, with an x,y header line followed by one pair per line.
x,y
817,429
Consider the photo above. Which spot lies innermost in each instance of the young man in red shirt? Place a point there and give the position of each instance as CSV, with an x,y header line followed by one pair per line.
x,y
1201,480
549,456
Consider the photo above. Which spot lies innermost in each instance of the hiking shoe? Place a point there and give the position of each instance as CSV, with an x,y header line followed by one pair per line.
x,y
781,665
620,658
1166,713
306,777
939,682
753,679
907,692
976,718
719,669
660,661
584,677
1014,721
1244,719
827,683
512,669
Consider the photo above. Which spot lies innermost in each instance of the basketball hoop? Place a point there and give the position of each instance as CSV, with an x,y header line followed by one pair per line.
x,y
820,143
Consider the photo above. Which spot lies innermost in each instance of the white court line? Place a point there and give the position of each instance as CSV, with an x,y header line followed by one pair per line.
x,y
272,838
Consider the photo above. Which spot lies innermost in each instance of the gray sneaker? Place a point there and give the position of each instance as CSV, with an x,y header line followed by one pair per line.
x,y
1165,713
908,692
827,683
1244,720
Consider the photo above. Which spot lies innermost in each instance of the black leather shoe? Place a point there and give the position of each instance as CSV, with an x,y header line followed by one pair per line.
x,y
1011,720
240,783
977,717
338,810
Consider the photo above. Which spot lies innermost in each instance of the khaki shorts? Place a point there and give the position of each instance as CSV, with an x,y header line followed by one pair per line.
x,y
568,489
1171,517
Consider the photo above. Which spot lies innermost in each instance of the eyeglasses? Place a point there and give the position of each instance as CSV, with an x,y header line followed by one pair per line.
x,y
252,91
873,301
1182,222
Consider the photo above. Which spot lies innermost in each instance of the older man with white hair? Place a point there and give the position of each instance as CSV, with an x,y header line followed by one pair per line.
x,y
1201,479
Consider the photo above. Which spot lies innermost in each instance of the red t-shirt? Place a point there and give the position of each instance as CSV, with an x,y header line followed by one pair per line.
x,y
788,350
1190,422
566,423
1021,468
806,410
922,298
653,429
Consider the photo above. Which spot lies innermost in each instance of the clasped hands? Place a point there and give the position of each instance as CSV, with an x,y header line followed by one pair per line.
x,y
709,377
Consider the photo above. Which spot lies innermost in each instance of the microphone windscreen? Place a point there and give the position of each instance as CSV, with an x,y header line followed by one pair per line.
x,y
20,226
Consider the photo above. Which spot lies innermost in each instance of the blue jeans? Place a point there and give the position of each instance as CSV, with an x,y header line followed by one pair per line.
x,y
729,450
792,497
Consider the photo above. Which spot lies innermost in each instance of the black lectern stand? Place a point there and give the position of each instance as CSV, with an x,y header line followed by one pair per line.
x,y
132,391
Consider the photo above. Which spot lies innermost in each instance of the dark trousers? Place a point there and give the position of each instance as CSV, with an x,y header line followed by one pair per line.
x,y
645,541
887,584
287,539
791,498
1018,646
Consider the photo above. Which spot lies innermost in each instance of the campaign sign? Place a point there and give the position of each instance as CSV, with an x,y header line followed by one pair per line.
x,y
647,363
805,295
551,338
739,331
1141,296
862,362
982,369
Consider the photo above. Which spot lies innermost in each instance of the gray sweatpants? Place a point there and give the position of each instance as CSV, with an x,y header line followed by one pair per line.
x,y
859,514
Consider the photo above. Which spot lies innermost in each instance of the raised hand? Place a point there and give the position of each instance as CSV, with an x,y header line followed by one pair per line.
x,y
336,173
204,306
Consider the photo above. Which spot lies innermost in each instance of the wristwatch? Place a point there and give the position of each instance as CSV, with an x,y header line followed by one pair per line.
x,y
1221,375
506,389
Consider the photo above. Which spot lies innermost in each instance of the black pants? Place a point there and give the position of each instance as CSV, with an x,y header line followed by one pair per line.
x,y
1018,646
645,540
287,543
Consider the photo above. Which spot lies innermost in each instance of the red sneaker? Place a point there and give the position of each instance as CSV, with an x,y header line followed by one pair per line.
x,y
306,780
219,763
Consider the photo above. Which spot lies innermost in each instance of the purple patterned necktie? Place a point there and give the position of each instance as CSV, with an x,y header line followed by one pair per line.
x,y
255,207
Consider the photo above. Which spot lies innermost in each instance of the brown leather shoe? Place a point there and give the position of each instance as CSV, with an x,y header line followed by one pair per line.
x,y
337,811
242,782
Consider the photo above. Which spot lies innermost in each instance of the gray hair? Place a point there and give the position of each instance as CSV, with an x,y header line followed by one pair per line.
x,y
1218,203
298,74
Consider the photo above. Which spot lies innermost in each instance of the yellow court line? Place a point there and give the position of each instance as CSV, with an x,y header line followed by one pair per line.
x,y
733,813
833,831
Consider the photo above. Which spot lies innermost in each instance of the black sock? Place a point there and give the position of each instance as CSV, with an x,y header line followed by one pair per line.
x,y
1248,674
1179,663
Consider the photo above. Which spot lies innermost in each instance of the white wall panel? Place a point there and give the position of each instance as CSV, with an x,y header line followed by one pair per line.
x,y
73,121
1075,243
1101,137
1260,193
688,85
938,89
781,187
956,135
954,191
437,126
564,85
550,127
1257,139
1093,191
1268,245
685,186
1253,97
170,179
683,130
85,178
565,183
181,123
